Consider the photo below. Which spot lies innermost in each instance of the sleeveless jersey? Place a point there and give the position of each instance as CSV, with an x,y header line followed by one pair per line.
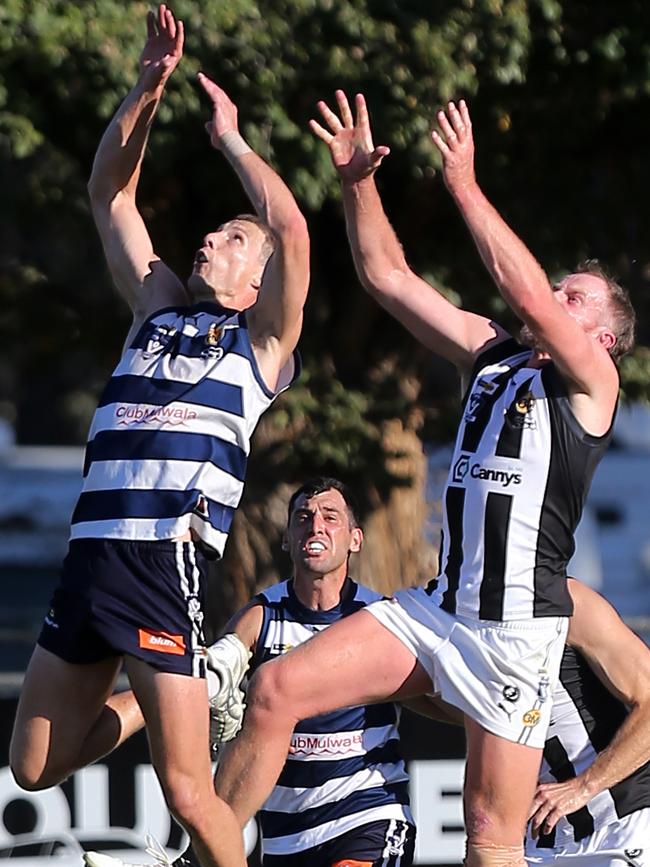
x,y
345,769
520,472
584,719
170,438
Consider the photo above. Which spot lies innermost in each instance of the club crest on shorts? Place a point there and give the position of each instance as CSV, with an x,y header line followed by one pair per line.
x,y
531,717
510,693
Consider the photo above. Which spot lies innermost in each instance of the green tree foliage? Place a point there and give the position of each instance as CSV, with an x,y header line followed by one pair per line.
x,y
559,93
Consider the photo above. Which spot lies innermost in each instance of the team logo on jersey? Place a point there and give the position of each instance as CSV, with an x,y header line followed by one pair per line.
x,y
158,340
633,853
504,477
134,414
461,468
480,393
520,413
510,693
280,647
328,744
531,717
214,334
212,338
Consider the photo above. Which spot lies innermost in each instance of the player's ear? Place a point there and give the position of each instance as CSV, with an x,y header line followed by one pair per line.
x,y
607,339
357,540
285,542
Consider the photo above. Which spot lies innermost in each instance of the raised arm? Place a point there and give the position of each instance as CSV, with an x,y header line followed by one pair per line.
x,y
378,255
275,320
520,279
140,276
622,662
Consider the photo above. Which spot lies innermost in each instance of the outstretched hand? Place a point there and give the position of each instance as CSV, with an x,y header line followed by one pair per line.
x,y
455,142
554,800
224,111
350,141
164,47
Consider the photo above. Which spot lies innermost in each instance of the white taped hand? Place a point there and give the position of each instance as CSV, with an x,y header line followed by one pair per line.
x,y
228,661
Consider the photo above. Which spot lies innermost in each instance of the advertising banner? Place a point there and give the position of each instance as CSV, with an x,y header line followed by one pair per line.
x,y
114,804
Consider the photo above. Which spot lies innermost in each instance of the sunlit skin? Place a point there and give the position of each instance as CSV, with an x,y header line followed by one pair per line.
x,y
228,266
585,297
320,537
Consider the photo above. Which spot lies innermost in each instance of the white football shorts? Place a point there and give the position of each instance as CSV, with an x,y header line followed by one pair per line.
x,y
502,675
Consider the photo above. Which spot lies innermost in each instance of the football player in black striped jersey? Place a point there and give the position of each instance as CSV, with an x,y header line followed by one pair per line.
x,y
537,418
592,805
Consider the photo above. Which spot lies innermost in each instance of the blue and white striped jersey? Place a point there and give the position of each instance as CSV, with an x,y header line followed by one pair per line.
x,y
170,438
345,769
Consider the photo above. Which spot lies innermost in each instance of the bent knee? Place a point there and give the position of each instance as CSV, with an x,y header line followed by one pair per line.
x,y
271,690
489,821
32,780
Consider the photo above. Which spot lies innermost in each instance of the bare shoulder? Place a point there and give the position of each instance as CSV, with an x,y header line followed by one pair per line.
x,y
594,406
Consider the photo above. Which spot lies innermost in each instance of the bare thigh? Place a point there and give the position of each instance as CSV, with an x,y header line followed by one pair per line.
x,y
500,781
175,708
59,704
353,662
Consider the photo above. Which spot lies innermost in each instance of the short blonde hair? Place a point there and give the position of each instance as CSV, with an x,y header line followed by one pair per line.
x,y
623,315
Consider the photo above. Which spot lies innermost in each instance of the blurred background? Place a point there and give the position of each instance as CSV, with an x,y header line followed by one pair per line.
x,y
559,92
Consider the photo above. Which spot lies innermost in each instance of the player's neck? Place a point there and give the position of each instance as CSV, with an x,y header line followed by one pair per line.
x,y
320,592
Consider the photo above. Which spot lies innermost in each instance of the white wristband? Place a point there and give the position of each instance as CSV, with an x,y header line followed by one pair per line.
x,y
233,145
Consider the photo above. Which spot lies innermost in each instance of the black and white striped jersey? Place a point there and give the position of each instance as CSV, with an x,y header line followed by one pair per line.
x,y
584,719
520,472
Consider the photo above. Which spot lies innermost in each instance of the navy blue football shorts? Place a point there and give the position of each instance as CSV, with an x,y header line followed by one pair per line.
x,y
385,843
142,599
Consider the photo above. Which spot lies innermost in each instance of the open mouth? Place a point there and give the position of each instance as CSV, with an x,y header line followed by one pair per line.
x,y
315,548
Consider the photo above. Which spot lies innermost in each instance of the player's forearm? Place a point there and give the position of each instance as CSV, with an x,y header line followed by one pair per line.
x,y
376,250
271,198
119,156
628,751
519,277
